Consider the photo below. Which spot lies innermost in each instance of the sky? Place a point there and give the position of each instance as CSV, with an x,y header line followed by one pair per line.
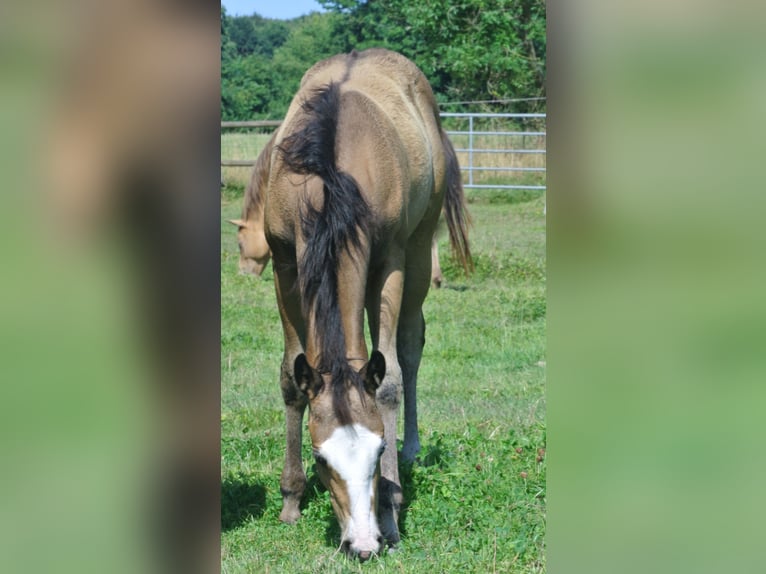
x,y
284,9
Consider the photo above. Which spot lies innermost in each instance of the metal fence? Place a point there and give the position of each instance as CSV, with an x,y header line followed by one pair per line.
x,y
483,150
483,143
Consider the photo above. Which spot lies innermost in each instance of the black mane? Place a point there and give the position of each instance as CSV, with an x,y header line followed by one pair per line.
x,y
340,223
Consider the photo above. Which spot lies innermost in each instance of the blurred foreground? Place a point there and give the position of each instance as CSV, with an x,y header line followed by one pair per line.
x,y
109,409
657,313
109,303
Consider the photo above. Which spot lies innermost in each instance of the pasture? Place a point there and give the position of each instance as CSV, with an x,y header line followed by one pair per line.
x,y
475,498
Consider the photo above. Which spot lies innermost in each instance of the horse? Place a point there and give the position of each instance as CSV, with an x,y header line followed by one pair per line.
x,y
351,187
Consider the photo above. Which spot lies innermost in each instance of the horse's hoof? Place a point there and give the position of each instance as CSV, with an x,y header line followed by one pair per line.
x,y
392,539
289,516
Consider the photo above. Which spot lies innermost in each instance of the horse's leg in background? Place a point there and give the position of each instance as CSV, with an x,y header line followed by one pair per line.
x,y
436,271
384,297
293,481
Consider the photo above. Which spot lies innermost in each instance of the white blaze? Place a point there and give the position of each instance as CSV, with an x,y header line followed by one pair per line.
x,y
353,453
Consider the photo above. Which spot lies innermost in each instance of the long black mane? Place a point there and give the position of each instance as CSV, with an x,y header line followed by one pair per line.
x,y
339,224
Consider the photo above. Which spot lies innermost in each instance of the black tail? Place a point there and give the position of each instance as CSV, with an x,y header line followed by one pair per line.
x,y
455,212
339,224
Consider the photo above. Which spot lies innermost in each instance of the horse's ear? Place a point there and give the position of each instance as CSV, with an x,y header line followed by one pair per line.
x,y
373,372
308,380
237,222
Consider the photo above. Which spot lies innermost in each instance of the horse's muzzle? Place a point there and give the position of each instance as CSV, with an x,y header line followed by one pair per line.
x,y
363,551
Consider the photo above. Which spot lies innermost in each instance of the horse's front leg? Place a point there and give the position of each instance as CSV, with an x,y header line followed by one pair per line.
x,y
390,496
383,304
401,374
293,481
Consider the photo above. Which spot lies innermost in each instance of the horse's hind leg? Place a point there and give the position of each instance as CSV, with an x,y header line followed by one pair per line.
x,y
410,339
410,342
436,270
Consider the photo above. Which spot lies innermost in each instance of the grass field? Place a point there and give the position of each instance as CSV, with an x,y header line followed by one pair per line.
x,y
475,499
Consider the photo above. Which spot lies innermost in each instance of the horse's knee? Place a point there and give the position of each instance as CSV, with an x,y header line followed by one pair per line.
x,y
389,394
291,394
292,484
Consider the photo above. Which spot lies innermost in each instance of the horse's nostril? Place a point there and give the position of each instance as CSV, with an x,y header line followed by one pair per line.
x,y
364,555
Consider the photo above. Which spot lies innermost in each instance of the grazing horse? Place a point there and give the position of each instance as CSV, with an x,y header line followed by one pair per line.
x,y
351,187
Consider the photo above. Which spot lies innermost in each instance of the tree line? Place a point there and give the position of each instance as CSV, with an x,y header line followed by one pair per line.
x,y
470,50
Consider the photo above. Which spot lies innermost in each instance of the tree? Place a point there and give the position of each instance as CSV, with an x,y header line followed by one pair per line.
x,y
312,38
263,60
468,49
248,44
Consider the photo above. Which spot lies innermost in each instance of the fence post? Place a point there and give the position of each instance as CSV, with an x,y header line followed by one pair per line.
x,y
470,150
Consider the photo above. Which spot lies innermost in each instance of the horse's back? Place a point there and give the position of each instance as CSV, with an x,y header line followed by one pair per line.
x,y
387,79
389,136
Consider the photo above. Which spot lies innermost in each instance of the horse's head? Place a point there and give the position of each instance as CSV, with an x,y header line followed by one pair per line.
x,y
347,455
254,252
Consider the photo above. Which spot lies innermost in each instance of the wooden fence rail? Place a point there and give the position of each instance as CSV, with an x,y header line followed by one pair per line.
x,y
237,162
253,124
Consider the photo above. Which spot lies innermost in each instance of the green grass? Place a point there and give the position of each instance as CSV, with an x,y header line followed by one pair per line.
x,y
475,499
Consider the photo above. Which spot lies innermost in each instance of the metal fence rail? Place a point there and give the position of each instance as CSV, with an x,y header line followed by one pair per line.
x,y
473,152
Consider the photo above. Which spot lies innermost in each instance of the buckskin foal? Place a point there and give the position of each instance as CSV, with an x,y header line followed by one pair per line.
x,y
351,187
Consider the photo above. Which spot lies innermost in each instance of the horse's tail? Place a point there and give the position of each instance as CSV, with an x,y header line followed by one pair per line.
x,y
455,212
338,225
